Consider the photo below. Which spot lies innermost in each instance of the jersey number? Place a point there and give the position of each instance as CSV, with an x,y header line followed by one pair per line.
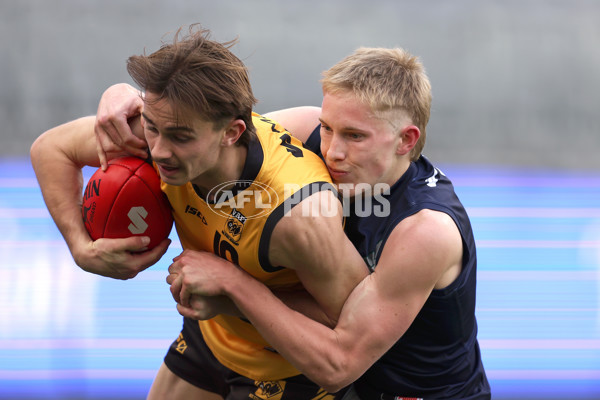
x,y
285,139
224,249
286,142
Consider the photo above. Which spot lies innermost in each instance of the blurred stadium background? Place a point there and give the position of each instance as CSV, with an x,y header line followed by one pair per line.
x,y
514,124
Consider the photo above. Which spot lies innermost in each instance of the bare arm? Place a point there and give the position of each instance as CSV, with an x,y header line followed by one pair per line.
x,y
311,240
300,121
63,151
58,156
423,252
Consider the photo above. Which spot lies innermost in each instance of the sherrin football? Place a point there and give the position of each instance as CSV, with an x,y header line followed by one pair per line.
x,y
126,200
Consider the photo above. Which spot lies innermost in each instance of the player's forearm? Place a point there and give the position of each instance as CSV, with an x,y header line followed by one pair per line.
x,y
311,347
302,302
60,179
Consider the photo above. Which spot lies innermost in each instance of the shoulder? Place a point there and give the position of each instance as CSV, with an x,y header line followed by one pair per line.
x,y
426,227
426,246
287,166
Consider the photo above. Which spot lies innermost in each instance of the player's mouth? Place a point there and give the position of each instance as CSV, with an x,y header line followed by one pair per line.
x,y
337,174
167,171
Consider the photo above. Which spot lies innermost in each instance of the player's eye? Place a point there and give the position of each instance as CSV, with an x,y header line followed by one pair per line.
x,y
180,138
325,128
150,128
354,136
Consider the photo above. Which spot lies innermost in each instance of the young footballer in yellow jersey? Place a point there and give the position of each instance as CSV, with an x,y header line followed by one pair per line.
x,y
237,224
240,187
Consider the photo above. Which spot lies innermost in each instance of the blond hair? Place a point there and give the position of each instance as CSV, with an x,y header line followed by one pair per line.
x,y
388,80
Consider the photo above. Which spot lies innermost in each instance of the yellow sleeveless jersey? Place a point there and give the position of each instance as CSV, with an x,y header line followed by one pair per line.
x,y
237,225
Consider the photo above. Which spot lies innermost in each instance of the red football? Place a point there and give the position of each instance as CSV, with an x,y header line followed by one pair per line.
x,y
126,200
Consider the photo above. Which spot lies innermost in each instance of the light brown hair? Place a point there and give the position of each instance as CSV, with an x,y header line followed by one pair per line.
x,y
200,77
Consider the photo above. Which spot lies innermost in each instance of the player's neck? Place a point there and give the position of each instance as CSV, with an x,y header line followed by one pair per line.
x,y
395,173
229,169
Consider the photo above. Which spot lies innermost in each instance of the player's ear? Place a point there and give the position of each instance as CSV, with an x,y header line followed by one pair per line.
x,y
409,135
233,131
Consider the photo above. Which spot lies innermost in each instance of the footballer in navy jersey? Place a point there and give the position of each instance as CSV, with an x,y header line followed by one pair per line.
x,y
438,356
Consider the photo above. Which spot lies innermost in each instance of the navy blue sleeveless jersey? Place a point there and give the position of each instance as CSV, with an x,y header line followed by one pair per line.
x,y
438,357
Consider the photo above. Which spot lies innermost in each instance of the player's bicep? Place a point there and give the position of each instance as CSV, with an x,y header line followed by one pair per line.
x,y
374,317
311,241
331,279
387,302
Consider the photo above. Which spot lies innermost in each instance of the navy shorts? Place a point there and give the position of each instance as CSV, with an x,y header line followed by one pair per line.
x,y
190,359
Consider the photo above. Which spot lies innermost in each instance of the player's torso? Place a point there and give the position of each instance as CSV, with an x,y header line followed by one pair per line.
x,y
237,225
434,346
232,229
422,186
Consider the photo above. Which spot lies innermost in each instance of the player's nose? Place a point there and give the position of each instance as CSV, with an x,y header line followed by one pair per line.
x,y
160,148
336,150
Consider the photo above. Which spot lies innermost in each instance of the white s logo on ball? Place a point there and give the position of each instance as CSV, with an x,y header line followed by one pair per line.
x,y
136,216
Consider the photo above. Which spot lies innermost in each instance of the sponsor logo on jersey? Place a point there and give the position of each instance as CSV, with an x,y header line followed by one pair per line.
x,y
181,345
269,390
194,211
234,226
433,179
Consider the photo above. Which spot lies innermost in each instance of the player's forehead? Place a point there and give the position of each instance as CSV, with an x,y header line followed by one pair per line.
x,y
163,113
347,110
344,112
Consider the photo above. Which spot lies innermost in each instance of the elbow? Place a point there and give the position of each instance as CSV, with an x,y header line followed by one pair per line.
x,y
335,376
329,320
40,145
335,382
34,150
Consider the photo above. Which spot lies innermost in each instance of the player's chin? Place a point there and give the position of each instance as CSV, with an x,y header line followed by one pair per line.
x,y
173,182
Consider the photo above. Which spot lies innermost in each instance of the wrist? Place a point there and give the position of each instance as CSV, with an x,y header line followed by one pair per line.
x,y
82,252
235,282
